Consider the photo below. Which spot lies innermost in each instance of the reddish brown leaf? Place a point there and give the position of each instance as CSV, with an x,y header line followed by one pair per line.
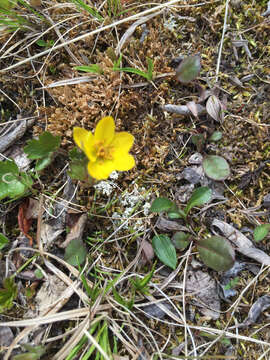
x,y
24,222
147,252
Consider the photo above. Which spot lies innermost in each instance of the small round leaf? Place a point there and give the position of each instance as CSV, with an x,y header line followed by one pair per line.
x,y
261,232
189,69
217,253
216,136
161,204
180,240
75,252
216,167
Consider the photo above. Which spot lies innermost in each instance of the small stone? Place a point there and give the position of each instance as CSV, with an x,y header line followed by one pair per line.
x,y
195,159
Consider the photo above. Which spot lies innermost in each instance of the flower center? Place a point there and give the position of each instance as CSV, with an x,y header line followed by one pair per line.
x,y
103,152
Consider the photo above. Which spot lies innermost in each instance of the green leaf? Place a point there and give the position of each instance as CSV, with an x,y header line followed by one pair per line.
x,y
94,68
3,241
43,146
78,165
216,167
165,250
34,353
75,252
43,163
38,274
199,197
161,204
8,294
216,136
189,69
141,284
217,253
12,183
180,240
261,231
150,69
198,140
232,283
92,11
126,303
41,43
176,215
7,4
133,71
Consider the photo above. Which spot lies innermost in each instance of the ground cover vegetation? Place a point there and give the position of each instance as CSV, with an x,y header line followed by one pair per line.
x,y
135,182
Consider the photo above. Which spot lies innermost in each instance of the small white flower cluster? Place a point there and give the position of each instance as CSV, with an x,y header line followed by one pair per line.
x,y
129,200
107,187
171,23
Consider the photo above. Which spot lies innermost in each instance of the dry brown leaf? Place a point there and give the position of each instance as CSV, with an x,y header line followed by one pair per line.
x,y
204,288
170,225
242,243
183,109
76,231
214,108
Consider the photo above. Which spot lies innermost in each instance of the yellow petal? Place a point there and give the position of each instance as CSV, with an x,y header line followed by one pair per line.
x,y
80,137
122,143
85,140
100,170
124,162
105,130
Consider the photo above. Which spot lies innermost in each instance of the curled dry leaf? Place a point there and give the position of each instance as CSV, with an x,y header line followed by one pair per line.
x,y
242,243
193,108
12,133
256,309
170,225
214,108
76,231
23,221
183,109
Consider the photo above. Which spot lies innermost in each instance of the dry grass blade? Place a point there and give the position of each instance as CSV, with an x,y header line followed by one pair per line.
x,y
73,341
81,37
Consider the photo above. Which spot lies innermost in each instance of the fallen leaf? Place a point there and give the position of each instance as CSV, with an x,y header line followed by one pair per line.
x,y
15,131
157,310
169,225
76,231
50,292
24,221
147,254
193,108
183,109
204,288
255,311
242,243
214,108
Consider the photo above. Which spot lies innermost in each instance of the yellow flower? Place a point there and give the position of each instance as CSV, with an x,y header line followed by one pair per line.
x,y
106,150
